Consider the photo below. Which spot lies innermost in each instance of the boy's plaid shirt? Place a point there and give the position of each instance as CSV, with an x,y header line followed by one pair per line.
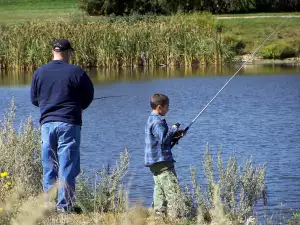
x,y
158,140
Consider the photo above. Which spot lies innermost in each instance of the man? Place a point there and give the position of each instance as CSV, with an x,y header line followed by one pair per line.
x,y
61,91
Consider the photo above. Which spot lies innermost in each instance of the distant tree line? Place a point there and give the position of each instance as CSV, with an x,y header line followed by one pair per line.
x,y
126,7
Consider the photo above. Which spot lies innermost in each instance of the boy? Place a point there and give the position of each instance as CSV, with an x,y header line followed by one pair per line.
x,y
158,155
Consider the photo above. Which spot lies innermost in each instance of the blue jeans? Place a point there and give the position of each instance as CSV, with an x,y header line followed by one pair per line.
x,y
61,160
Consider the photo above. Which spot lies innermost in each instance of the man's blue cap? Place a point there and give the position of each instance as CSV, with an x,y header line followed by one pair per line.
x,y
61,45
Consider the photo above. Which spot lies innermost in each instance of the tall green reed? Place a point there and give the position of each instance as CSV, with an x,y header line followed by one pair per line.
x,y
179,40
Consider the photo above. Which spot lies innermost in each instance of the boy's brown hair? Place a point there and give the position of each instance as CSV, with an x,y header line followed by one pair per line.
x,y
158,99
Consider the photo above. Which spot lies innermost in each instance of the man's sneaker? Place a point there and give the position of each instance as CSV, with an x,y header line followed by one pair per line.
x,y
74,209
61,210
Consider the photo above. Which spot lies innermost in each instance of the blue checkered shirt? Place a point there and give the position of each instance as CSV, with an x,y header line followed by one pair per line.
x,y
158,139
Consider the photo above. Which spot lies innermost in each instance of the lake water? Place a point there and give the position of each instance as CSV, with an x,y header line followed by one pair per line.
x,y
257,115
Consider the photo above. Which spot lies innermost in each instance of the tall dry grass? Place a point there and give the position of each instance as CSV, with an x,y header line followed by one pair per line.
x,y
20,152
20,159
172,41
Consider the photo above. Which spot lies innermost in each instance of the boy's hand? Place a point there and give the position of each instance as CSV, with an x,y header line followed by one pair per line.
x,y
180,133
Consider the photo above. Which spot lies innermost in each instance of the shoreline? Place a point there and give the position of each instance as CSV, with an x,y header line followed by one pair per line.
x,y
236,60
261,61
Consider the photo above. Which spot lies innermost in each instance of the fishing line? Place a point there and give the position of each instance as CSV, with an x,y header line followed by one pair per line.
x,y
112,96
250,58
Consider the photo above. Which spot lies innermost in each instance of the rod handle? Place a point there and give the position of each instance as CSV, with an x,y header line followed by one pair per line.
x,y
176,142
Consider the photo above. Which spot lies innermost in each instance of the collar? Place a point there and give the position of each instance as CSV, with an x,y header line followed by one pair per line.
x,y
58,61
159,116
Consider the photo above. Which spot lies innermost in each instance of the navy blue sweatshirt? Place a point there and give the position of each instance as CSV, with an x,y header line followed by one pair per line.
x,y
62,91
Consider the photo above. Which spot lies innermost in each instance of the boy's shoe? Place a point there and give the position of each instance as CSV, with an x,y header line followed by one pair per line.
x,y
159,214
77,209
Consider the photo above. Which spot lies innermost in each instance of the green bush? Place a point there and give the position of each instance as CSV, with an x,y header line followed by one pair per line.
x,y
105,193
20,164
235,193
278,50
106,7
234,43
118,7
92,7
295,220
126,7
20,153
297,44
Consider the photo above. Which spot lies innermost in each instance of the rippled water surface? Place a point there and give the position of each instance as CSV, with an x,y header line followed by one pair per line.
x,y
257,115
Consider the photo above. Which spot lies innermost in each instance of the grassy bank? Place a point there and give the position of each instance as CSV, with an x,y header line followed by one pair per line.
x,y
20,11
244,35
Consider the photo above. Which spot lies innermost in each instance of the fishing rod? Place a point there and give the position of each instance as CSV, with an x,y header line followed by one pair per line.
x,y
112,96
178,137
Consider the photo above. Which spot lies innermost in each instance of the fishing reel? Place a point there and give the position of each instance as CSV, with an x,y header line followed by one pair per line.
x,y
176,137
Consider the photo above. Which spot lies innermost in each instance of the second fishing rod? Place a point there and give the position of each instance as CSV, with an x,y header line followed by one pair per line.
x,y
110,96
181,134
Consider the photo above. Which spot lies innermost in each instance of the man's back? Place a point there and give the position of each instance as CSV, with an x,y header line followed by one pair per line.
x,y
62,91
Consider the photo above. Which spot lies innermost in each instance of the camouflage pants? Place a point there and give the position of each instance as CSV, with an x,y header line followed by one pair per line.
x,y
166,190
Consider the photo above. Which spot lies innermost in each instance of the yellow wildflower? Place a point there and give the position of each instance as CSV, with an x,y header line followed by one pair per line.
x,y
4,174
8,184
1,210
